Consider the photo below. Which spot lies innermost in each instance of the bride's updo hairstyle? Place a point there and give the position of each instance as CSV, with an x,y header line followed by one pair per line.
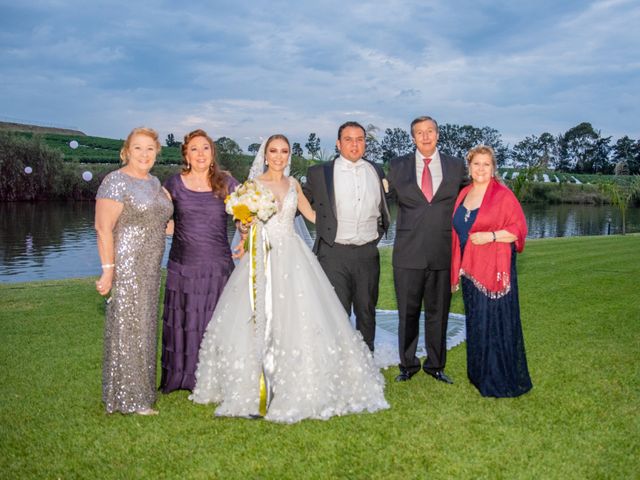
x,y
277,136
217,177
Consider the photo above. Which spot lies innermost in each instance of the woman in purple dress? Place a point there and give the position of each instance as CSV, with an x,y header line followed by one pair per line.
x,y
200,259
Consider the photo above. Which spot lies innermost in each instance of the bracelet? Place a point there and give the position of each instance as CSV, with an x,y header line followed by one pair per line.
x,y
494,236
108,265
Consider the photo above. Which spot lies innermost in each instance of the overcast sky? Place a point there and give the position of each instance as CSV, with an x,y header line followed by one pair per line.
x,y
247,69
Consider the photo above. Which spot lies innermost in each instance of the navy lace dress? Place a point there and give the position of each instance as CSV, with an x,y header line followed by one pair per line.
x,y
496,359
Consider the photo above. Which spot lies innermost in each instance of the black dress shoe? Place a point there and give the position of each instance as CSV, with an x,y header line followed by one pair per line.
x,y
404,376
440,376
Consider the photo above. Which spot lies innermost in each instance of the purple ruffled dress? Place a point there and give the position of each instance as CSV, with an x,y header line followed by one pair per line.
x,y
199,265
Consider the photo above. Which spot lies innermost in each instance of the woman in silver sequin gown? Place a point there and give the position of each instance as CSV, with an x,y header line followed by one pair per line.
x,y
313,363
132,212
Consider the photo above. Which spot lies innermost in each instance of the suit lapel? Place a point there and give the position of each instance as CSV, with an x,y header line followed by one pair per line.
x,y
444,165
328,179
410,165
384,208
444,161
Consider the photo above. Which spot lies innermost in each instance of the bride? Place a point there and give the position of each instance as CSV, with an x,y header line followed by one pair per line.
x,y
298,356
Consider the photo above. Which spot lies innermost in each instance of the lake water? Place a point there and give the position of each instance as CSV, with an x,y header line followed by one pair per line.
x,y
44,241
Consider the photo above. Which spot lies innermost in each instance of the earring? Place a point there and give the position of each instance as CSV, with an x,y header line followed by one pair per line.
x,y
188,166
266,162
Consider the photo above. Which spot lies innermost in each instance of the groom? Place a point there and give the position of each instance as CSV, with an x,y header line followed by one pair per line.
x,y
348,196
425,185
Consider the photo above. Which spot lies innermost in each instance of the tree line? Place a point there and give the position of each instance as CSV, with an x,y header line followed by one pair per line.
x,y
581,149
32,169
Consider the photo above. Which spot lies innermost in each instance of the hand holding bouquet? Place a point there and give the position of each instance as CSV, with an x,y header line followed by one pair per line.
x,y
249,202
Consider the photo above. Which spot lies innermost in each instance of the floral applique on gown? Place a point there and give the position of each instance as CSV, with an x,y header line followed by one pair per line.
x,y
315,364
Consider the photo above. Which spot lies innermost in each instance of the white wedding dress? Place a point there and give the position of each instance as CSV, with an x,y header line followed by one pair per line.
x,y
315,364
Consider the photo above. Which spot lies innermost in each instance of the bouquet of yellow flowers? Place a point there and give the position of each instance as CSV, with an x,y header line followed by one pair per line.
x,y
249,202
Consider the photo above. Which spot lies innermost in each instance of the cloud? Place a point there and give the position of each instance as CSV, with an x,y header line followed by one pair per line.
x,y
245,70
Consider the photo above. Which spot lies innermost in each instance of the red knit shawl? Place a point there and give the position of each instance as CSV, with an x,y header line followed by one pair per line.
x,y
489,265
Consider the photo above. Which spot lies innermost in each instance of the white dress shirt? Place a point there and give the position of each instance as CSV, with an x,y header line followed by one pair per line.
x,y
357,194
435,167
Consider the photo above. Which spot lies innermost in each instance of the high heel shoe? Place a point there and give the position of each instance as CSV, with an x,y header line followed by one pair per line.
x,y
147,412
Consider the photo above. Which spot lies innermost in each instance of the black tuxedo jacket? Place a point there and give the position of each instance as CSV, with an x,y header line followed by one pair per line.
x,y
319,190
423,229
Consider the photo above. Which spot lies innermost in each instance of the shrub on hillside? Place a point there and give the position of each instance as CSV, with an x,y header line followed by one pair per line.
x,y
621,168
550,193
27,168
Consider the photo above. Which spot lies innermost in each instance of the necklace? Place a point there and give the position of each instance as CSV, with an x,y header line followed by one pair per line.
x,y
467,214
199,188
194,183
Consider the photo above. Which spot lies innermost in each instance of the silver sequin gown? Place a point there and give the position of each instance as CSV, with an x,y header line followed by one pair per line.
x,y
315,364
129,368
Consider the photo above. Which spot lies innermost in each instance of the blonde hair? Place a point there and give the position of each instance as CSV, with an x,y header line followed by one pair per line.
x,y
149,132
484,150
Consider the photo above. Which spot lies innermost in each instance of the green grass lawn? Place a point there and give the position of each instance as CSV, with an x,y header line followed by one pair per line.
x,y
581,314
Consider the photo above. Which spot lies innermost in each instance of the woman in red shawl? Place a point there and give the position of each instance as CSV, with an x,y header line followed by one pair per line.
x,y
488,229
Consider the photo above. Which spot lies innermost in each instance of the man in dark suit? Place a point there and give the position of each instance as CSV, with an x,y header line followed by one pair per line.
x,y
348,196
425,185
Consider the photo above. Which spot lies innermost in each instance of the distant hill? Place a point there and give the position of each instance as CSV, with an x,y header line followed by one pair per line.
x,y
21,127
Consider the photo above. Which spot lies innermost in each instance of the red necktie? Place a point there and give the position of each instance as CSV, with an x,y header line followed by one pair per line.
x,y
426,183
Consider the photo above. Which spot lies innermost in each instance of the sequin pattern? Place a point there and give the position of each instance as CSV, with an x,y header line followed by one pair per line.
x,y
130,334
316,365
